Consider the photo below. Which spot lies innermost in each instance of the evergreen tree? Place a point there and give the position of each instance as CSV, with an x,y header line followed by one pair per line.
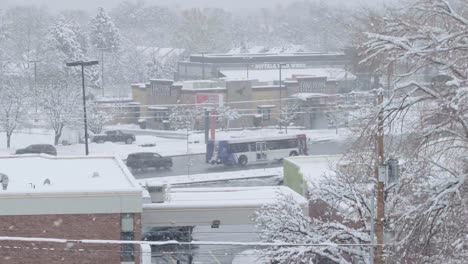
x,y
104,33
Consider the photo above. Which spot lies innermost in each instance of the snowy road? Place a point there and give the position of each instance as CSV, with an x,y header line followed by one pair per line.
x,y
195,164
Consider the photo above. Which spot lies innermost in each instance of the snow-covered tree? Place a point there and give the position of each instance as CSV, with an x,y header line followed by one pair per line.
x,y
104,33
13,106
98,116
60,103
285,222
288,113
226,115
65,42
431,226
183,117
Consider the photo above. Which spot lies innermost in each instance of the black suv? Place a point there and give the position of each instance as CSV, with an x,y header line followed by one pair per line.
x,y
143,160
38,149
114,136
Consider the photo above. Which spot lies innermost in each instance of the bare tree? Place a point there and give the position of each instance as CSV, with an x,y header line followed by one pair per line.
x,y
13,105
429,37
226,115
98,116
288,114
60,104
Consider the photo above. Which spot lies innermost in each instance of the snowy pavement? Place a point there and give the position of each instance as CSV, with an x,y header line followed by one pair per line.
x,y
162,145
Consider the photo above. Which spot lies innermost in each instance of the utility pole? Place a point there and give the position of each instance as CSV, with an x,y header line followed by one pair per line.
x,y
203,65
83,64
380,177
35,85
102,71
280,94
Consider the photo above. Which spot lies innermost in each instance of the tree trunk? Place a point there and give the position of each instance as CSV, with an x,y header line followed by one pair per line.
x,y
57,138
8,135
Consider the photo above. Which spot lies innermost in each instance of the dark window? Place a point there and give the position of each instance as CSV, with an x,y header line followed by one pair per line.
x,y
265,112
161,115
239,147
127,251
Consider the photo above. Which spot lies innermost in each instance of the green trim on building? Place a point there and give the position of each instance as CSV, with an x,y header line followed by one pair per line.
x,y
293,178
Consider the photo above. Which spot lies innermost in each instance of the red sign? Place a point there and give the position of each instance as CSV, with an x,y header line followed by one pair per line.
x,y
209,99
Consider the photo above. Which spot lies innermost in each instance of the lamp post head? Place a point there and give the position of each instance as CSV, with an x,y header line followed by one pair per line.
x,y
81,63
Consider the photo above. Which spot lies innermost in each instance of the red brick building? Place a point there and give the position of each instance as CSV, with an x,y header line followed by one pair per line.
x,y
68,198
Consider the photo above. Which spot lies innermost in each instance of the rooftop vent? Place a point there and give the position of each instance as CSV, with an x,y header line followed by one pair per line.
x,y
47,181
4,181
158,192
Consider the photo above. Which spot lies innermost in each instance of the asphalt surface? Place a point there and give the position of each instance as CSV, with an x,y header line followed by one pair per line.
x,y
195,164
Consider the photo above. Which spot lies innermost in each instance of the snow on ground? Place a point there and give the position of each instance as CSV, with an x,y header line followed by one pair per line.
x,y
211,177
163,146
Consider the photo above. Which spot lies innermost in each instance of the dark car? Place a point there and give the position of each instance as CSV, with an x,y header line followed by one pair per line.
x,y
38,149
144,160
114,136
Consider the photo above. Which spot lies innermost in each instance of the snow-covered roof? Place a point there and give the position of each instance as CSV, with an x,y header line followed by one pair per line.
x,y
332,74
158,108
266,106
305,96
224,197
29,173
203,88
313,168
161,53
264,49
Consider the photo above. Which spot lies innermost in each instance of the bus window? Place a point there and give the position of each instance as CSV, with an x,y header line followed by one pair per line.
x,y
239,147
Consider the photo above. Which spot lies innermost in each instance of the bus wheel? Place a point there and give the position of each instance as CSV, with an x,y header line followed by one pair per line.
x,y
242,160
292,154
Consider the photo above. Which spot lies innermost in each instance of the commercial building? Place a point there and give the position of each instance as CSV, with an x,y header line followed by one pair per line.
x,y
208,66
260,100
73,198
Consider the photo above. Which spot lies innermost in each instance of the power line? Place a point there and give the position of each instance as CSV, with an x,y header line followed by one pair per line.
x,y
174,242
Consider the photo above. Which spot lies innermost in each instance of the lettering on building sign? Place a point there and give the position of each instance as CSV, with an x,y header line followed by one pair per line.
x,y
160,89
269,66
312,86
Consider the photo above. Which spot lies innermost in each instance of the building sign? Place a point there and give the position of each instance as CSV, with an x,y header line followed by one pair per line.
x,y
312,85
212,100
269,66
160,89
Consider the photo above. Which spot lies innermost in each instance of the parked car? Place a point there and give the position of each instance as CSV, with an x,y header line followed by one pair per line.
x,y
114,136
144,160
38,149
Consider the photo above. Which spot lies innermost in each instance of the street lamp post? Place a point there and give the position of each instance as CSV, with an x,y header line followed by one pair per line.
x,y
83,64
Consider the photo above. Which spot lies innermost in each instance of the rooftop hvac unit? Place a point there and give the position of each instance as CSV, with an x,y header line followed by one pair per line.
x,y
158,192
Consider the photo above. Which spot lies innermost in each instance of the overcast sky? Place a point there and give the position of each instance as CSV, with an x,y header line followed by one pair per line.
x,y
227,4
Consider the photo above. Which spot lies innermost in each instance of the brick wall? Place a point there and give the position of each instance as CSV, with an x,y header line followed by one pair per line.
x,y
91,226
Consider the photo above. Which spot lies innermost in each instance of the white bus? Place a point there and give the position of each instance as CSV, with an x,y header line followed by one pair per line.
x,y
255,150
